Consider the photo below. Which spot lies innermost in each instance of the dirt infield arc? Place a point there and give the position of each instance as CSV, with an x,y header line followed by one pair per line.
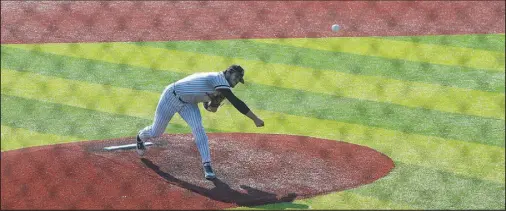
x,y
252,169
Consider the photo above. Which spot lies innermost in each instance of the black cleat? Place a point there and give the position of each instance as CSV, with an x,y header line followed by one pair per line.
x,y
208,171
141,149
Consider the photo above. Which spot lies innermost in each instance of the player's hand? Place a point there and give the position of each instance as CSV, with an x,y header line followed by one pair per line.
x,y
259,122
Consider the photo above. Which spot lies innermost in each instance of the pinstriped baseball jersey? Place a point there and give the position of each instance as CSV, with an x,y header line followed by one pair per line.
x,y
183,97
196,88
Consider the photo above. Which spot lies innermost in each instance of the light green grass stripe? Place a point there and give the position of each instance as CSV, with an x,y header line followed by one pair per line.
x,y
466,158
419,187
90,96
392,49
62,120
337,200
432,189
454,76
411,94
16,138
490,42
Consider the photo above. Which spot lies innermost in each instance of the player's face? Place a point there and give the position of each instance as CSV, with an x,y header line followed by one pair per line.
x,y
235,77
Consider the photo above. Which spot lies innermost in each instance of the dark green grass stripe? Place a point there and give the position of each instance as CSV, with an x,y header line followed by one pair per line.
x,y
428,188
65,120
87,70
390,116
454,76
296,102
489,42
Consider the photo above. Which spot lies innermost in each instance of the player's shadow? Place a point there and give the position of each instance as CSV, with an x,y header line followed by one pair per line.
x,y
223,192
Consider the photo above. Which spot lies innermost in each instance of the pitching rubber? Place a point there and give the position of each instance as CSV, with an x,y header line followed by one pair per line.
x,y
126,146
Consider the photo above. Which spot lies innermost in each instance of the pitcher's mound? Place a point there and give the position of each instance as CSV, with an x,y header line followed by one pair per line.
x,y
252,169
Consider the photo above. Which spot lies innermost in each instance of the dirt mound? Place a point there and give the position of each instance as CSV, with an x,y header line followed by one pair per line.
x,y
252,169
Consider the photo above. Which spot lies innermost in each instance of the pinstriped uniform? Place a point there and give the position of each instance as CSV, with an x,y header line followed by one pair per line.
x,y
183,97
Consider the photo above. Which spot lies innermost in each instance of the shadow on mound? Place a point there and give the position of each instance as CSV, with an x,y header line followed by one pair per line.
x,y
223,192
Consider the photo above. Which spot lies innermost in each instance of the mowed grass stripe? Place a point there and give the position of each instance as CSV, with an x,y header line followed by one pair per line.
x,y
291,101
369,113
412,94
430,189
13,58
489,42
342,200
17,138
87,70
93,71
454,76
42,117
412,51
455,156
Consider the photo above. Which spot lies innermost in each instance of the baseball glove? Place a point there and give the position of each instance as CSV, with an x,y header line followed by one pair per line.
x,y
216,100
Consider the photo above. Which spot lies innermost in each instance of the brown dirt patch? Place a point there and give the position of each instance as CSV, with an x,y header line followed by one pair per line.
x,y
252,169
104,21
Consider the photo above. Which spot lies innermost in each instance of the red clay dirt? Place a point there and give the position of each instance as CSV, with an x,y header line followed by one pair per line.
x,y
252,169
104,21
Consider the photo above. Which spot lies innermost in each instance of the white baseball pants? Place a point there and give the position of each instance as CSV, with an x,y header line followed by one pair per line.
x,y
167,106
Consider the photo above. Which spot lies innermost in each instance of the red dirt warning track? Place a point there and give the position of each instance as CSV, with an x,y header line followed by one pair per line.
x,y
116,21
252,169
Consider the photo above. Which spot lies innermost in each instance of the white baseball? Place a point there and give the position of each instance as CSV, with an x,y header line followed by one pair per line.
x,y
335,27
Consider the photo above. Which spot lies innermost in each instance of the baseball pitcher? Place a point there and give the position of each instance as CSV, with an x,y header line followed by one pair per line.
x,y
183,97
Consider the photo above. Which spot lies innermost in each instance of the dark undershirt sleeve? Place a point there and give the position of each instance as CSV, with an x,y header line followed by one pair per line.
x,y
238,104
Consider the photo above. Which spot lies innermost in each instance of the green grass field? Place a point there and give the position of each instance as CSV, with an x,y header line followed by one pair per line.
x,y
434,104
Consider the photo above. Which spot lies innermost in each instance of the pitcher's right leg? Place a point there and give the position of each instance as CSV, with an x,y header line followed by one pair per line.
x,y
191,114
167,106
